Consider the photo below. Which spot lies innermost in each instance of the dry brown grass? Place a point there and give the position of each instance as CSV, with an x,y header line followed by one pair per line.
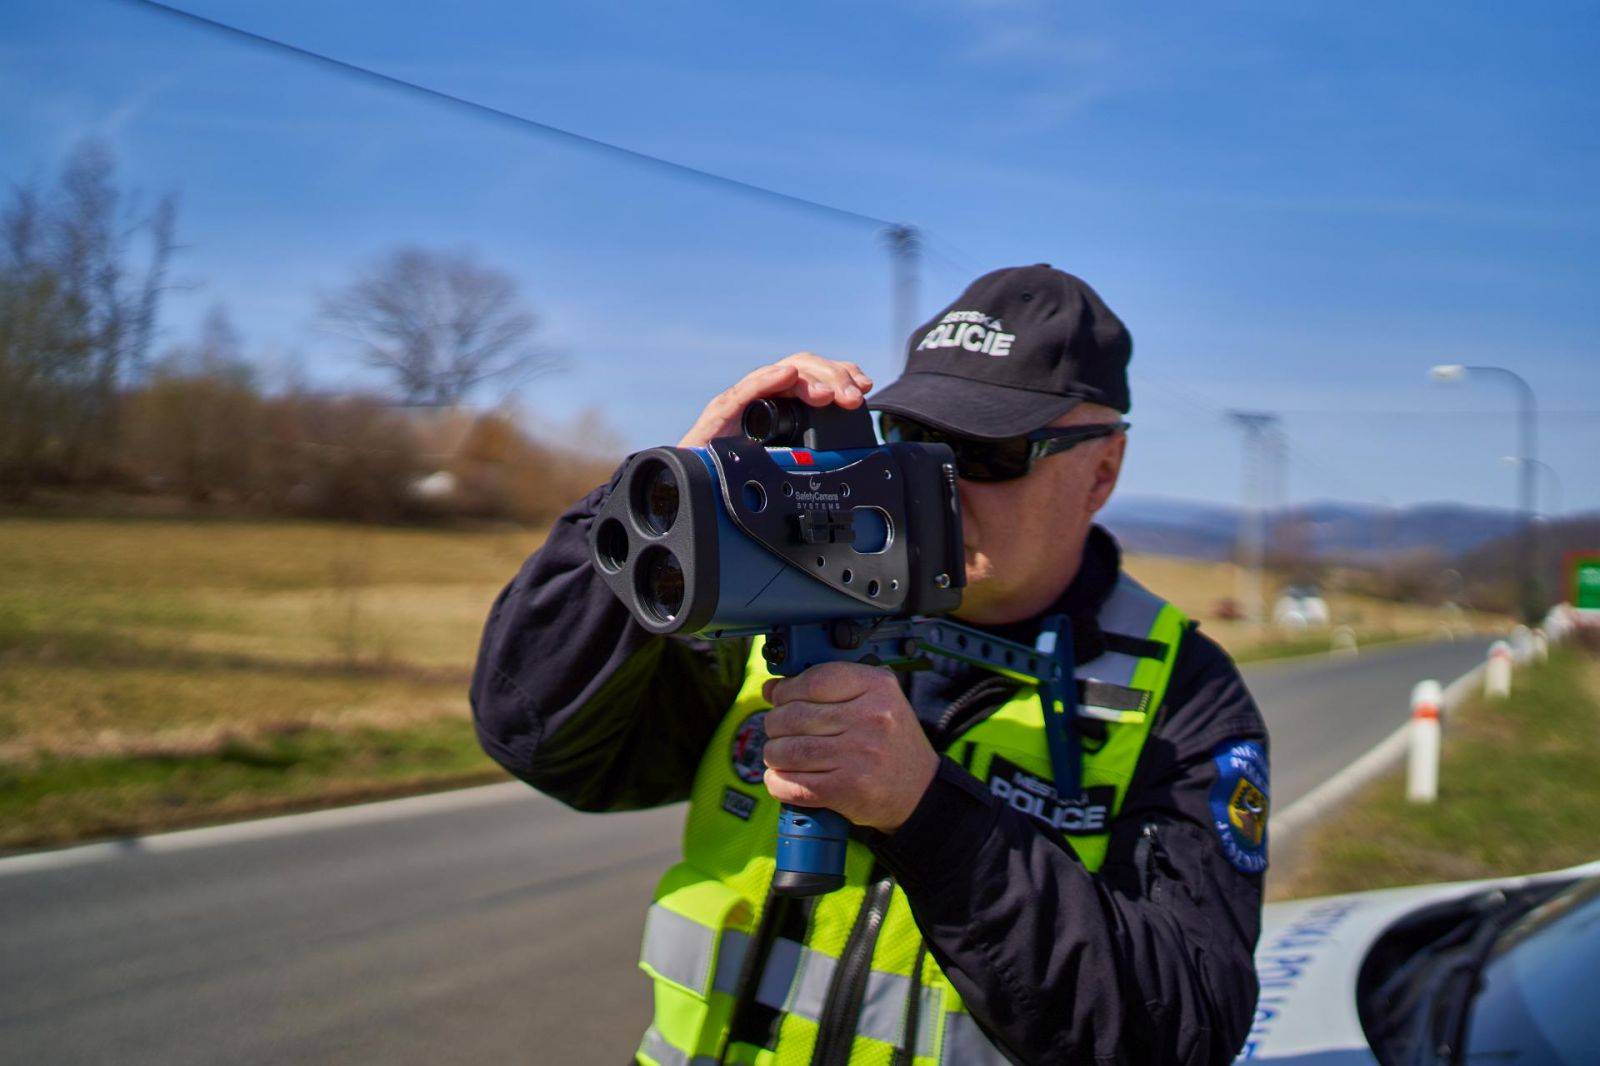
x,y
120,634
1196,587
124,631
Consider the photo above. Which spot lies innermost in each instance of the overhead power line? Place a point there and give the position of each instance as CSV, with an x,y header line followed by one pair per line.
x,y
362,73
1403,415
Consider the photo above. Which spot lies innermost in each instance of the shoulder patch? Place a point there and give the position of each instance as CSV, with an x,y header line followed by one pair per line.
x,y
1239,803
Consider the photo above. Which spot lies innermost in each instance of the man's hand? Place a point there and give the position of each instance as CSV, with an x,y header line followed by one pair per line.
x,y
811,378
842,736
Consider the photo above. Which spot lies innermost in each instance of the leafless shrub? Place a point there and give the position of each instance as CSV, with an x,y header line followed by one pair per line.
x,y
347,457
502,472
195,426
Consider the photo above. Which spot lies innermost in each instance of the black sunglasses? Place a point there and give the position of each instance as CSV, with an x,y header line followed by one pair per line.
x,y
995,460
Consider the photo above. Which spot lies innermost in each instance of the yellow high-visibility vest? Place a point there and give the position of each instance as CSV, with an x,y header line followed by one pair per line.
x,y
706,948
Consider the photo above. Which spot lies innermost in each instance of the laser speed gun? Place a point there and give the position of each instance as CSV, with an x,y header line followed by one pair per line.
x,y
832,546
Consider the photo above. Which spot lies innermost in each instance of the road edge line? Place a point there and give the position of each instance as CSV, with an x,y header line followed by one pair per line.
x,y
280,825
1375,762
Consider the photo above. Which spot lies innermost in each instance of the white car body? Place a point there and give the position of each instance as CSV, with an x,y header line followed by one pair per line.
x,y
1309,958
1298,612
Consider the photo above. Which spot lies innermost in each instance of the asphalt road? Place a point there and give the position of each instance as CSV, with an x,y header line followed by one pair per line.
x,y
1324,713
489,927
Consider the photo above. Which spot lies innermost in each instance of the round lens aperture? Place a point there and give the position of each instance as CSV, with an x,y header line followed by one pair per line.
x,y
655,498
659,581
612,543
771,422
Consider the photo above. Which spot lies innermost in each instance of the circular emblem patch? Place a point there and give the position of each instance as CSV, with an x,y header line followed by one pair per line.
x,y
748,741
1239,803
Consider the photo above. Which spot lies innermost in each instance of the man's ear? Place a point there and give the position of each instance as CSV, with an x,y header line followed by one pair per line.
x,y
1107,468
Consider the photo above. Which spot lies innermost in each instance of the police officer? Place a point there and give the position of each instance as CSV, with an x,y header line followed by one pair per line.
x,y
989,915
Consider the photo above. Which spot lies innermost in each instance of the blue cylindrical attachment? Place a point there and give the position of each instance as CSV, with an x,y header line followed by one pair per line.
x,y
811,847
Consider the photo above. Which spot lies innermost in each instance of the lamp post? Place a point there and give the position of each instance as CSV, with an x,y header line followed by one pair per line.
x,y
1527,579
1554,509
1550,510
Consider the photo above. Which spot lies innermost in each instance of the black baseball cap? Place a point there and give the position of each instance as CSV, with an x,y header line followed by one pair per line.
x,y
1019,349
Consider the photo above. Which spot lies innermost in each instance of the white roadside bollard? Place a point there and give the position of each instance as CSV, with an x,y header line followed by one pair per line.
x,y
1541,646
1497,672
1521,644
1558,623
1422,768
1344,643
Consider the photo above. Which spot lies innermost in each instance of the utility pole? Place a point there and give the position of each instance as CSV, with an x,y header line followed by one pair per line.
x,y
905,247
1262,456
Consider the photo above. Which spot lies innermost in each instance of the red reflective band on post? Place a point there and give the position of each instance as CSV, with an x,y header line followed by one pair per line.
x,y
1425,710
802,458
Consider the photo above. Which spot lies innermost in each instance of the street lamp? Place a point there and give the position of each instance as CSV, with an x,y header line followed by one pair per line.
x,y
1527,550
1554,508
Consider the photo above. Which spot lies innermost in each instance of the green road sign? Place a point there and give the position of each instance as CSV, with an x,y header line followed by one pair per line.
x,y
1585,571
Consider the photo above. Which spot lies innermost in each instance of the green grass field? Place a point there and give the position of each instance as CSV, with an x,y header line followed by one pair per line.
x,y
167,670
1518,791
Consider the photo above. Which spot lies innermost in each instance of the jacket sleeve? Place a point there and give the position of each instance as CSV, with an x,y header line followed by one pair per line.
x,y
1148,960
574,697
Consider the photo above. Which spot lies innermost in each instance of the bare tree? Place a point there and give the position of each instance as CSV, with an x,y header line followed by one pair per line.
x,y
440,323
44,356
77,311
91,250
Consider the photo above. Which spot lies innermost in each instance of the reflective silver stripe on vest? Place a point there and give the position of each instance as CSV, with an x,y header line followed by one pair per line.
x,y
795,979
778,977
964,1044
655,1046
883,1011
679,948
730,961
928,1021
1131,609
883,1008
807,974
1112,667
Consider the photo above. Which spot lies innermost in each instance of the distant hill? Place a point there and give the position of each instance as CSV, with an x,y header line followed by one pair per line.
x,y
1183,528
1333,530
1491,568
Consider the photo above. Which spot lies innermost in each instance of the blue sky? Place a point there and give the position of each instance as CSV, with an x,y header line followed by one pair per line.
x,y
1295,209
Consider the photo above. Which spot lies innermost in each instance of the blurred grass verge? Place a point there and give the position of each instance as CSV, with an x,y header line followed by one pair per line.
x,y
1518,791
158,672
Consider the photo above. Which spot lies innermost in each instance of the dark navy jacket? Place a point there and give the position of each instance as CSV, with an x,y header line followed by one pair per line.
x,y
574,698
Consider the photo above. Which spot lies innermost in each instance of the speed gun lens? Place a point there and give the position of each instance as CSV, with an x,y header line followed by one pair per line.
x,y
660,583
656,500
